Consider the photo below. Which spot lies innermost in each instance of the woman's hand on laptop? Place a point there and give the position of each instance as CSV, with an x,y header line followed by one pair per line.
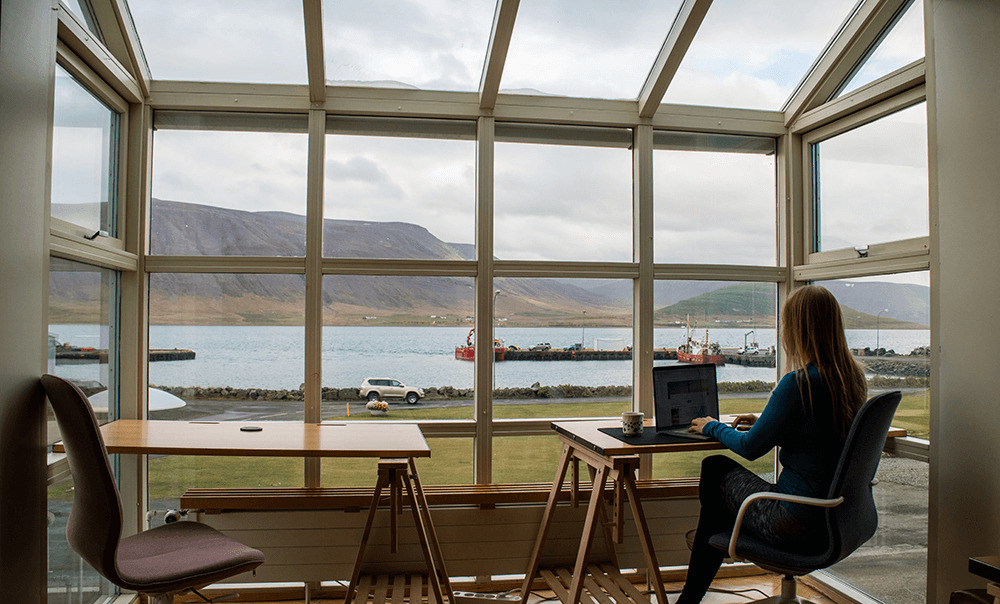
x,y
744,420
698,424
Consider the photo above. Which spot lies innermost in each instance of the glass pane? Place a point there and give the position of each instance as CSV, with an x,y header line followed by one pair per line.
x,y
218,41
239,343
871,182
171,475
887,321
753,53
84,157
228,193
566,348
392,197
714,205
436,45
586,49
526,458
70,579
450,463
562,202
733,324
81,9
902,45
392,339
83,333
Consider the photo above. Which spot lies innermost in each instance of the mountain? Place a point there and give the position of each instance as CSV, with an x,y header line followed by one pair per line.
x,y
744,302
860,303
902,301
188,229
180,228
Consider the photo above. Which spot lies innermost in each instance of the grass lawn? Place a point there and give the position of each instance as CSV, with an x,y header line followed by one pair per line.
x,y
515,458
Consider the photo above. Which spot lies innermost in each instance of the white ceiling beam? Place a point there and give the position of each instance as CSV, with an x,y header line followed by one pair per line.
x,y
675,46
496,52
136,58
312,13
836,63
119,37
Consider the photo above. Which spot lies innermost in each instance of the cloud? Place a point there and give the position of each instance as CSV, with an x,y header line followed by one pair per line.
x,y
439,45
429,182
753,53
252,41
252,171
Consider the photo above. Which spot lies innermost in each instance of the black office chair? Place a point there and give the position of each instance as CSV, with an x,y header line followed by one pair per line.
x,y
170,559
851,518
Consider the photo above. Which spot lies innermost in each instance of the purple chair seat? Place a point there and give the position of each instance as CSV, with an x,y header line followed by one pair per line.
x,y
170,557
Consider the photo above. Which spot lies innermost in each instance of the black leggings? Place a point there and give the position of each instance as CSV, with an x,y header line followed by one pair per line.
x,y
723,487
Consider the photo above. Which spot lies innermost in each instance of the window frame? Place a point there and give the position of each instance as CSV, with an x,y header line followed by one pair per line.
x,y
73,236
878,258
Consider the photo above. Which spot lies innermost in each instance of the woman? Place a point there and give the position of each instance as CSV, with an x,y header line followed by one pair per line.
x,y
808,416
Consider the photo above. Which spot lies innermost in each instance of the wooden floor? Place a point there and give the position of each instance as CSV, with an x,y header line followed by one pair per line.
x,y
741,590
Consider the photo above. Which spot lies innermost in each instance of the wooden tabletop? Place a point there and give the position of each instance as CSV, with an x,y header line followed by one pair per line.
x,y
587,433
275,439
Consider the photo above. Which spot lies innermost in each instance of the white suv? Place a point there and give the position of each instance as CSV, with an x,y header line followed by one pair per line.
x,y
375,389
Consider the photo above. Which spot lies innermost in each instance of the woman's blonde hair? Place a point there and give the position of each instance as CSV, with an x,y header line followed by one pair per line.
x,y
812,332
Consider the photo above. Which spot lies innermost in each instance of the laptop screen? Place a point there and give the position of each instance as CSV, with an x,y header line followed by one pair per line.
x,y
682,393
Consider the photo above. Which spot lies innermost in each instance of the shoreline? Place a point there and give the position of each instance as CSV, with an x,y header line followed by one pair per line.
x,y
534,392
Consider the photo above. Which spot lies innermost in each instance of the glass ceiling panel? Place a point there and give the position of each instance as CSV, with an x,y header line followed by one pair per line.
x,y
902,45
81,8
586,48
432,45
752,54
221,41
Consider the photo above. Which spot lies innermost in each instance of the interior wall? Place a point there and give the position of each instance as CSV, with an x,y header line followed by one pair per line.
x,y
27,63
963,84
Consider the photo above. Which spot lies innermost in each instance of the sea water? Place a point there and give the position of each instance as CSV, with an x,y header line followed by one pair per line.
x,y
272,357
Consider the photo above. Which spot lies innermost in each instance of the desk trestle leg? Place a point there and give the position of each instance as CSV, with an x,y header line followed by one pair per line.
x,y
400,474
543,530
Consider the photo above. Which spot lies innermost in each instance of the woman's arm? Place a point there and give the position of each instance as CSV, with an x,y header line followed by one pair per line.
x,y
764,434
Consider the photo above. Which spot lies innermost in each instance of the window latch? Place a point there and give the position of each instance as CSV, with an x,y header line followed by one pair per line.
x,y
96,235
862,251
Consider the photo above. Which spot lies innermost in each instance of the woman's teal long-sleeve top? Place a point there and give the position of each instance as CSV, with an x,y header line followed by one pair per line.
x,y
810,444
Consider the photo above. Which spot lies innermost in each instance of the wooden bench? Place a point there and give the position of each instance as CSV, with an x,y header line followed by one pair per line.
x,y
217,500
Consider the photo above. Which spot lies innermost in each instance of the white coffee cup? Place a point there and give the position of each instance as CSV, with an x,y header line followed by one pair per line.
x,y
632,423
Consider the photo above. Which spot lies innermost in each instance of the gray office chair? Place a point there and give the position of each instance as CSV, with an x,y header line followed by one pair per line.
x,y
851,517
170,559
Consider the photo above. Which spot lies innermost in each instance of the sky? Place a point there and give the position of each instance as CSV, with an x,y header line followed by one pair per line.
x,y
710,207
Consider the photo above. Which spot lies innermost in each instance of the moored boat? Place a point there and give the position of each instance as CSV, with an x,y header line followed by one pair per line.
x,y
693,351
468,352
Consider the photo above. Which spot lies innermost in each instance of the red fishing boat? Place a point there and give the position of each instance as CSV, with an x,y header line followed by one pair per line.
x,y
468,352
693,351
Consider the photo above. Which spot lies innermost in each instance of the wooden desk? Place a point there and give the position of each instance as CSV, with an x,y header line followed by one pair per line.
x,y
275,439
607,458
396,446
988,567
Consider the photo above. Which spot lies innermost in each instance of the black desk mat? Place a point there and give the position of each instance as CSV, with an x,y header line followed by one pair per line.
x,y
650,436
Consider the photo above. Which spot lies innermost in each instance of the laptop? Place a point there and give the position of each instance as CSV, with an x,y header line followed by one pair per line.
x,y
682,393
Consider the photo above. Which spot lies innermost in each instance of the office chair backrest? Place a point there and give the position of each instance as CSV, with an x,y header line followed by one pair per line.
x,y
855,521
95,522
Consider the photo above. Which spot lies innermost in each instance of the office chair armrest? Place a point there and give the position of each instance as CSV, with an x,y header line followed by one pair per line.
x,y
826,503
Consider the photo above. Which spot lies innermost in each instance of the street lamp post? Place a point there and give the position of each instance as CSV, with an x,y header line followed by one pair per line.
x,y
493,354
877,318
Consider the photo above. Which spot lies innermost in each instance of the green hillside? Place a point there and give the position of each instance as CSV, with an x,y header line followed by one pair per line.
x,y
744,302
755,303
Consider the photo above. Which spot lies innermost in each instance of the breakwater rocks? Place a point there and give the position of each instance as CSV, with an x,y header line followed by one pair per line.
x,y
896,366
534,392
